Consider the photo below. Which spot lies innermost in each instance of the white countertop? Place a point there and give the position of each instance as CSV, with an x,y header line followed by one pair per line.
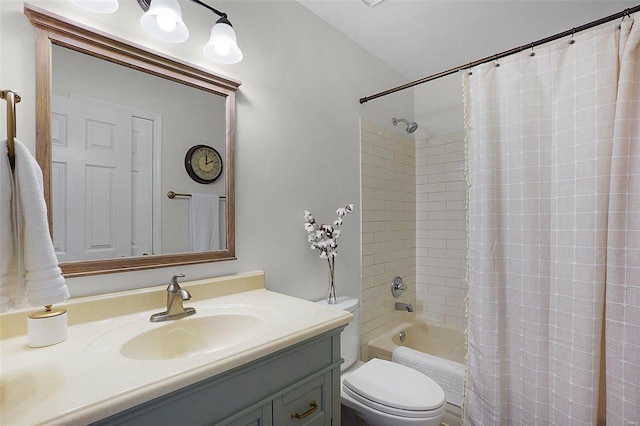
x,y
68,383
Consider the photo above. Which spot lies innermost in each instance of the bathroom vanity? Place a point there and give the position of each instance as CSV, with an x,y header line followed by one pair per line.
x,y
248,356
293,386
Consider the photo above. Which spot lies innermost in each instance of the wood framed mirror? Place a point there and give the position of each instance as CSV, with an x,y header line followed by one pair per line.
x,y
57,34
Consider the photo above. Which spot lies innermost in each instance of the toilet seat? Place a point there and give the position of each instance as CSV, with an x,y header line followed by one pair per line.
x,y
394,389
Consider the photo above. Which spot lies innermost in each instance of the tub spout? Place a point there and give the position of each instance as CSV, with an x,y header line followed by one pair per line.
x,y
404,307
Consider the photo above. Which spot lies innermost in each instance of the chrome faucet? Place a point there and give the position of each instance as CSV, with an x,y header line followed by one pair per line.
x,y
404,307
175,309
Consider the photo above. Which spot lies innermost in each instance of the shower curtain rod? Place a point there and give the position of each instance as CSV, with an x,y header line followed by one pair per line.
x,y
571,32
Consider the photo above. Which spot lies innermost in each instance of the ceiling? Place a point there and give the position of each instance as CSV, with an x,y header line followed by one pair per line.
x,y
422,37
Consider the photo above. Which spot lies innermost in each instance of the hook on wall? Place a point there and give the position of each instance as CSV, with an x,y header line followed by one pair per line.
x,y
12,99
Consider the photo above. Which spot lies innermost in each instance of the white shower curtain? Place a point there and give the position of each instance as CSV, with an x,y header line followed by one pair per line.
x,y
554,233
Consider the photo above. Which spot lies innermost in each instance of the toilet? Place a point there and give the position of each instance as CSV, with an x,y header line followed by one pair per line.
x,y
380,392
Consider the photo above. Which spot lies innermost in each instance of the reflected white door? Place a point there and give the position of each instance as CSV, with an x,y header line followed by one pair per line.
x,y
91,180
142,187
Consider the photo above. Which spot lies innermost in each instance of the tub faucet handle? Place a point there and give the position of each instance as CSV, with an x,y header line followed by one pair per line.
x,y
398,287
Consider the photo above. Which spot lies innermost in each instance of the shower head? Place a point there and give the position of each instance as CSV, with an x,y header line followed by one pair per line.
x,y
411,127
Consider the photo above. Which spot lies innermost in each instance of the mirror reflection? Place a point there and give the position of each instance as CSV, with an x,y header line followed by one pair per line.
x,y
119,140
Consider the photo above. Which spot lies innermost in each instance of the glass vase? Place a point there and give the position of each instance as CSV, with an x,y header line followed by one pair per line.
x,y
331,296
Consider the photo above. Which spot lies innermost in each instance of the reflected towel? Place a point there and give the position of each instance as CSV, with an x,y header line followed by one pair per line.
x,y
45,284
204,222
448,374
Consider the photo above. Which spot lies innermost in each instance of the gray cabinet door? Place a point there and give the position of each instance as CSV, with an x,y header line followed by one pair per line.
x,y
261,416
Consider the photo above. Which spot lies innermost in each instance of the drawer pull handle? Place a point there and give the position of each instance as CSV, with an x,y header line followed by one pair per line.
x,y
314,407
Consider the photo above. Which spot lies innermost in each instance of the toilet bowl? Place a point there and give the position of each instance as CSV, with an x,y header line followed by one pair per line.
x,y
380,392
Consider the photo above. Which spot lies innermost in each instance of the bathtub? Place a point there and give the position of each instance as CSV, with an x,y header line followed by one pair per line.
x,y
431,338
435,339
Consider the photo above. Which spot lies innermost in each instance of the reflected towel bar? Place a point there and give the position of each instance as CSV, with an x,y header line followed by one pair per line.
x,y
12,99
173,195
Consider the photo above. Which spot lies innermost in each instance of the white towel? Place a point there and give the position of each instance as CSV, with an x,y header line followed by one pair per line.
x,y
448,374
45,284
204,222
8,273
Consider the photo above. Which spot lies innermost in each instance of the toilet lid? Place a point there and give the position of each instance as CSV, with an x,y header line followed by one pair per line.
x,y
398,387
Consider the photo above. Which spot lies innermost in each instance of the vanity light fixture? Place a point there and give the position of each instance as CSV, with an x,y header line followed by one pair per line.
x,y
163,20
222,46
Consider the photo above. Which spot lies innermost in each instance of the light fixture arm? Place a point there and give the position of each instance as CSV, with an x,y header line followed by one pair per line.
x,y
214,10
145,4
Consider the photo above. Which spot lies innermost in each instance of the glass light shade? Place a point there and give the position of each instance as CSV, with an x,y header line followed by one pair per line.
x,y
97,6
163,20
222,46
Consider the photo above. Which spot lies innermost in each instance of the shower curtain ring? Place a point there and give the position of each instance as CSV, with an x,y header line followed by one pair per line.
x,y
625,15
497,63
470,72
532,52
573,32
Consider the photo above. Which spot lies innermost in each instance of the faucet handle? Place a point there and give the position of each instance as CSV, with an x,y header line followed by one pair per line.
x,y
398,287
174,286
174,279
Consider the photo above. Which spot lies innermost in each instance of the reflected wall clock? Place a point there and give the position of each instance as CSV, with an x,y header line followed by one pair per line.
x,y
203,163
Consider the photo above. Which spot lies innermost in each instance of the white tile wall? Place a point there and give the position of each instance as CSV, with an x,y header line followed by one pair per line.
x,y
441,232
388,225
414,225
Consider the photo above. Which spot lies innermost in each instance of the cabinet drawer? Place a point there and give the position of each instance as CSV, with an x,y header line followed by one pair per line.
x,y
305,405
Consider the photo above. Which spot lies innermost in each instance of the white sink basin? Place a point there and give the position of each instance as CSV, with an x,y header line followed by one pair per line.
x,y
191,336
203,333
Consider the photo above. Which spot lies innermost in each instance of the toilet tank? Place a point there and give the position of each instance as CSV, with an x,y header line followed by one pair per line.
x,y
350,336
